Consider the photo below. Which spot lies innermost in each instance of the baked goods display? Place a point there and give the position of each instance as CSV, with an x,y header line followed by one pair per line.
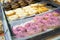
x,y
13,4
27,11
25,20
2,36
37,25
1,29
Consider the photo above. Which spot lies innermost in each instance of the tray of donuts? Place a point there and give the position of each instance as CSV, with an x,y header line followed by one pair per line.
x,y
14,13
37,25
13,4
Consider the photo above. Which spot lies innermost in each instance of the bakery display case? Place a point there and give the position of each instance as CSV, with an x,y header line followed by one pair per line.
x,y
30,19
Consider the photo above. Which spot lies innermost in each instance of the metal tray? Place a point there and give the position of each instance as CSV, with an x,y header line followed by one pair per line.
x,y
9,28
25,20
12,38
48,6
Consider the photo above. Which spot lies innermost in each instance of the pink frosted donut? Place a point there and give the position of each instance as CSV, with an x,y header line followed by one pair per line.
x,y
15,29
28,24
55,13
48,14
37,18
20,31
33,28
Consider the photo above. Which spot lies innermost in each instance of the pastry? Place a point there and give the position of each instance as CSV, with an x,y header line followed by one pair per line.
x,y
44,9
14,5
29,1
8,1
30,10
13,17
39,7
22,3
1,29
21,13
2,37
37,4
7,6
10,13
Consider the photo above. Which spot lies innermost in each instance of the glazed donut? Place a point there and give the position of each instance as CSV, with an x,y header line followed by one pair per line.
x,y
14,5
7,6
22,3
29,1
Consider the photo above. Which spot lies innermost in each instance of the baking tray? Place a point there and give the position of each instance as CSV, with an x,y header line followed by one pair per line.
x,y
10,26
34,38
48,6
20,21
23,21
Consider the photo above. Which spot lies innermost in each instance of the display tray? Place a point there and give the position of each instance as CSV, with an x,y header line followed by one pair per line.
x,y
33,36
17,22
25,20
50,7
2,36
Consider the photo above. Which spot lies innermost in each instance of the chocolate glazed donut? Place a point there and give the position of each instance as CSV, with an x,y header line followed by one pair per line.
x,y
29,1
22,3
7,6
14,4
